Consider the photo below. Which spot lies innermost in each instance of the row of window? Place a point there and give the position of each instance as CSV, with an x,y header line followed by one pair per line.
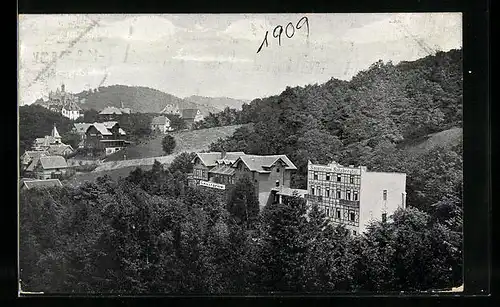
x,y
346,195
355,179
198,173
336,213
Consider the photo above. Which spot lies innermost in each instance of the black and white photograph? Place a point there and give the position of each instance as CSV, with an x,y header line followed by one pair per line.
x,y
240,154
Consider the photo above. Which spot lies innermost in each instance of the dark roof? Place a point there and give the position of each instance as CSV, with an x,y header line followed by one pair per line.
x,y
34,153
210,158
50,162
259,163
41,183
82,127
223,170
160,120
58,150
189,113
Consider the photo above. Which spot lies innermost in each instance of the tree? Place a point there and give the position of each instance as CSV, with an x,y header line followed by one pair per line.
x,y
243,203
182,163
168,144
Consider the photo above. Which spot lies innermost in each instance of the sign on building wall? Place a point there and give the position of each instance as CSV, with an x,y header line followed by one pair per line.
x,y
213,185
335,169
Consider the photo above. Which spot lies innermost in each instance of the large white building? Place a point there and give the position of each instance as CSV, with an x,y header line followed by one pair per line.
x,y
354,196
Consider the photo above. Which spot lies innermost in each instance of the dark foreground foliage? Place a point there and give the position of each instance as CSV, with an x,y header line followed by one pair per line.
x,y
151,233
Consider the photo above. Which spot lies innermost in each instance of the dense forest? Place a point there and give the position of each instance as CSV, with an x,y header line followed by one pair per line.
x,y
151,233
365,121
138,98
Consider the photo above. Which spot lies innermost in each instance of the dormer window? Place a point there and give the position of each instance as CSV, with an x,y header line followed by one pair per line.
x,y
277,170
277,183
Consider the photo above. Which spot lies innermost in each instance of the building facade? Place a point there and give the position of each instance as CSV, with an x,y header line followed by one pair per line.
x,y
270,174
104,139
161,124
354,196
171,109
50,167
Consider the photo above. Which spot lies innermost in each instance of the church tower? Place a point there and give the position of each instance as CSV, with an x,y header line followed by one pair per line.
x,y
55,135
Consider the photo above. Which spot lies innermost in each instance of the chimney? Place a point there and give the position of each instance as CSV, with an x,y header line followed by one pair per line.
x,y
121,104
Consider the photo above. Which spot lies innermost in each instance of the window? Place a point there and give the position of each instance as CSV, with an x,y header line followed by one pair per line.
x,y
354,232
385,194
277,170
338,213
277,183
356,196
348,195
315,175
351,179
328,176
327,193
312,190
327,211
319,191
351,216
338,194
339,178
384,217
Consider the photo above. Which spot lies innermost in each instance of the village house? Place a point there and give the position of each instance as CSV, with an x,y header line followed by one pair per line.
x,y
270,174
27,184
71,110
52,144
31,155
103,139
113,113
161,124
191,116
50,167
171,109
81,129
353,196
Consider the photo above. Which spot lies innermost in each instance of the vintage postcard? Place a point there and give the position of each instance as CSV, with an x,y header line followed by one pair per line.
x,y
240,154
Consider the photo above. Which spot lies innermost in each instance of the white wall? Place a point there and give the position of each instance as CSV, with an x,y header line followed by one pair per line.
x,y
372,204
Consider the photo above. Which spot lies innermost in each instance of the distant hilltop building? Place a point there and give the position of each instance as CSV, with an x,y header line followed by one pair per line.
x,y
191,116
271,174
353,196
171,109
161,124
113,113
63,102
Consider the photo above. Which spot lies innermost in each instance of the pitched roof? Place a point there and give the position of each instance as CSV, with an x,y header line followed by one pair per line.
x,y
101,128
50,162
259,163
189,113
160,120
58,150
210,158
55,133
34,154
223,170
81,127
110,110
109,124
41,183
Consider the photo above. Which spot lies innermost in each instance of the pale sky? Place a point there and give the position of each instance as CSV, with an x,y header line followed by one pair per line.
x,y
216,54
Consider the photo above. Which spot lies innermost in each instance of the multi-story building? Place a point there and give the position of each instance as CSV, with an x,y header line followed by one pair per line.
x,y
50,167
52,144
270,174
103,139
354,196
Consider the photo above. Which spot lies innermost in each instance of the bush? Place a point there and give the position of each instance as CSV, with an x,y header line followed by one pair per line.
x,y
168,144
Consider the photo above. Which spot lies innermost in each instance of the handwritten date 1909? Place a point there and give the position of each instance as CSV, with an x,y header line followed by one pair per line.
x,y
289,31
